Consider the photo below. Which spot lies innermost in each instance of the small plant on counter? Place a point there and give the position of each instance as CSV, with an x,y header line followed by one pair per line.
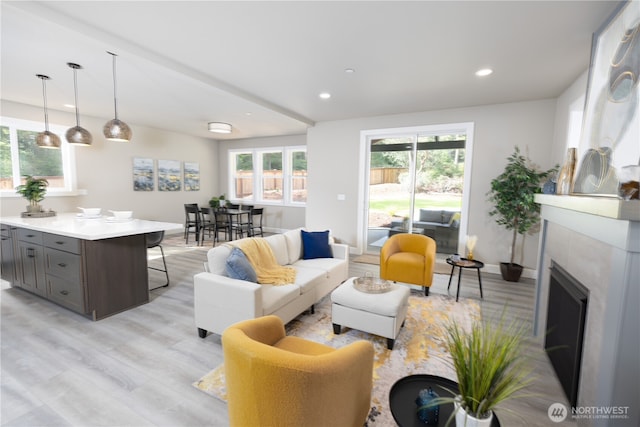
x,y
34,190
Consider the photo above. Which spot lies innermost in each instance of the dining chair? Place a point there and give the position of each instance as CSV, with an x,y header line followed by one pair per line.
x,y
208,222
193,221
255,227
222,224
153,241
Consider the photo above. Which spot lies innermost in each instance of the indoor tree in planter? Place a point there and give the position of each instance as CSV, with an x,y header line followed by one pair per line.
x,y
512,194
33,190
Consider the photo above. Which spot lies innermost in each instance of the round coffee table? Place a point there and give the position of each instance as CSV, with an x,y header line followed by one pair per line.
x,y
402,399
464,263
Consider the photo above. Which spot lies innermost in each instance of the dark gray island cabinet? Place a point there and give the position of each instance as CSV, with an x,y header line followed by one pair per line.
x,y
96,269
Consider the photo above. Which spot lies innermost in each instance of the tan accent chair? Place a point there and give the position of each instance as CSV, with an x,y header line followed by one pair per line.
x,y
408,258
277,380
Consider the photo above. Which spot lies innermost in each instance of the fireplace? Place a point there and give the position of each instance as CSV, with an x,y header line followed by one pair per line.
x,y
566,314
596,240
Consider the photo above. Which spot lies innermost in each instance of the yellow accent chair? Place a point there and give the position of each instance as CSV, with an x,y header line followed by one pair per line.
x,y
277,380
408,258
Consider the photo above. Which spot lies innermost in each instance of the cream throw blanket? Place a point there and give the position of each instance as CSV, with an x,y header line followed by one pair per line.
x,y
263,261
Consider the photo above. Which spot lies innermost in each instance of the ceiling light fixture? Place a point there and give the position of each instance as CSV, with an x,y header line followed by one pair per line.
x,y
219,127
325,95
77,135
349,70
46,139
484,72
116,130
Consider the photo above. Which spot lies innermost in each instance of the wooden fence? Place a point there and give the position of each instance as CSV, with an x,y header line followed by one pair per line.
x,y
272,181
385,175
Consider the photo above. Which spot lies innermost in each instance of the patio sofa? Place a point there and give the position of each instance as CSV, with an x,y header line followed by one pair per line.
x,y
439,224
220,301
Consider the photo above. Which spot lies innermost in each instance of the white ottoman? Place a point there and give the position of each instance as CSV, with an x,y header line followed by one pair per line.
x,y
380,314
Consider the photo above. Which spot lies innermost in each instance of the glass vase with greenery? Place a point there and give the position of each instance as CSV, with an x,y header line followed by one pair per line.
x,y
512,194
34,190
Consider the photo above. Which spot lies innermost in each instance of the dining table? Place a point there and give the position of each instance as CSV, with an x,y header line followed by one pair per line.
x,y
238,217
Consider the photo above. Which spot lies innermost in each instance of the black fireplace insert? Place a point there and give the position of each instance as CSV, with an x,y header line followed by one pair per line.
x,y
566,314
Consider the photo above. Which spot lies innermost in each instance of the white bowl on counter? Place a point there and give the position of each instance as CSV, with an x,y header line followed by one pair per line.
x,y
90,212
121,215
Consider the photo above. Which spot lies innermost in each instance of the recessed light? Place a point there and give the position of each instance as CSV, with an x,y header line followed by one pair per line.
x,y
325,95
248,113
484,72
69,105
349,70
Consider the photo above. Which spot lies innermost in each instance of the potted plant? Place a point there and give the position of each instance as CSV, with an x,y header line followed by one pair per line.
x,y
492,367
33,190
215,202
512,194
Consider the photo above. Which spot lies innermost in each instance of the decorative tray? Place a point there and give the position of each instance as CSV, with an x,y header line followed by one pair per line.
x,y
37,214
371,285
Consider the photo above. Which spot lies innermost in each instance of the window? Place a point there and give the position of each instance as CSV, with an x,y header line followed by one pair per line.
x,y
20,156
269,175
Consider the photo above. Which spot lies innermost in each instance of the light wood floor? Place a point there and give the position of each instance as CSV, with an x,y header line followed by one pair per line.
x,y
136,368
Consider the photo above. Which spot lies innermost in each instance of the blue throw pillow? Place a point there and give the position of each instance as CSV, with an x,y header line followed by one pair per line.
x,y
315,244
239,267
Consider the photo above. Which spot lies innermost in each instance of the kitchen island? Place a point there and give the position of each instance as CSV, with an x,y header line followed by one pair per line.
x,y
94,266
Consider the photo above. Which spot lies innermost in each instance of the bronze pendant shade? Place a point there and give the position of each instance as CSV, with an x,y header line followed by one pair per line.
x,y
46,139
77,135
116,130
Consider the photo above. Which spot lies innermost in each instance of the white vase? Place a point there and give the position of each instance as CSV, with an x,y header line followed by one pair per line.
x,y
463,419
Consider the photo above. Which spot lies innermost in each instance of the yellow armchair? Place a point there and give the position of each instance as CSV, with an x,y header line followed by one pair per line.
x,y
408,258
277,380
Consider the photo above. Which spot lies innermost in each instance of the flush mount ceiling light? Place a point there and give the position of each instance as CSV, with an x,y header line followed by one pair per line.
x,y
219,127
46,139
77,135
484,72
116,130
325,95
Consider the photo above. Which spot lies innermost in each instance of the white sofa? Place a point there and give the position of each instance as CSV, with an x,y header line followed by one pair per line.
x,y
220,301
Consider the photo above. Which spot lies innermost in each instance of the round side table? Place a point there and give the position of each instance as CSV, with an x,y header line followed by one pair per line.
x,y
402,399
464,263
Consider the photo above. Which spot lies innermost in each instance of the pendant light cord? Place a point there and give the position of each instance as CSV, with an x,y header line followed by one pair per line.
x,y
44,95
75,87
115,86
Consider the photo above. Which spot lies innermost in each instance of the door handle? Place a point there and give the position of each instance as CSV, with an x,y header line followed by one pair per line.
x,y
62,264
65,293
31,253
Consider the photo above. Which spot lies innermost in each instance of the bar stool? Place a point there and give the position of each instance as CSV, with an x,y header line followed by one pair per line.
x,y
153,241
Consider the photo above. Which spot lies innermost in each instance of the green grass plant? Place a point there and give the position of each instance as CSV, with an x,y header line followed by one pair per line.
x,y
490,362
400,204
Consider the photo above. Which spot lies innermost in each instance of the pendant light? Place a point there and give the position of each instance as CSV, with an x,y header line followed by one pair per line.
x,y
77,135
116,130
46,139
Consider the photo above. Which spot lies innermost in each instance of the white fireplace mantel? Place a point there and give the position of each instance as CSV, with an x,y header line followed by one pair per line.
x,y
597,241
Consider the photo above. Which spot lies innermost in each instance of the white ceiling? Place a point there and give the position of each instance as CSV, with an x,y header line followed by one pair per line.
x,y
261,65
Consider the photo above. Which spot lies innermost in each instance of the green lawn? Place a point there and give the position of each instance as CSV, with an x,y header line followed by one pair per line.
x,y
398,205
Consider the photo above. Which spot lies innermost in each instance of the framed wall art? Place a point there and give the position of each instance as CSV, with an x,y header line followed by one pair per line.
x,y
191,176
611,123
142,174
169,175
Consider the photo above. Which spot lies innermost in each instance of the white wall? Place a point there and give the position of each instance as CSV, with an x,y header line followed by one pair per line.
x,y
333,149
569,109
105,169
276,218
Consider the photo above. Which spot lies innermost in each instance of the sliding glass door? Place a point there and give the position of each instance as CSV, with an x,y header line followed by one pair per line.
x,y
416,186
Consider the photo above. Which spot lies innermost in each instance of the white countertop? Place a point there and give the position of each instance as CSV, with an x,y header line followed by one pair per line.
x,y
104,227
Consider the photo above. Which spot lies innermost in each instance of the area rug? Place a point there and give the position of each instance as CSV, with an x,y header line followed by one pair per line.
x,y
419,348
